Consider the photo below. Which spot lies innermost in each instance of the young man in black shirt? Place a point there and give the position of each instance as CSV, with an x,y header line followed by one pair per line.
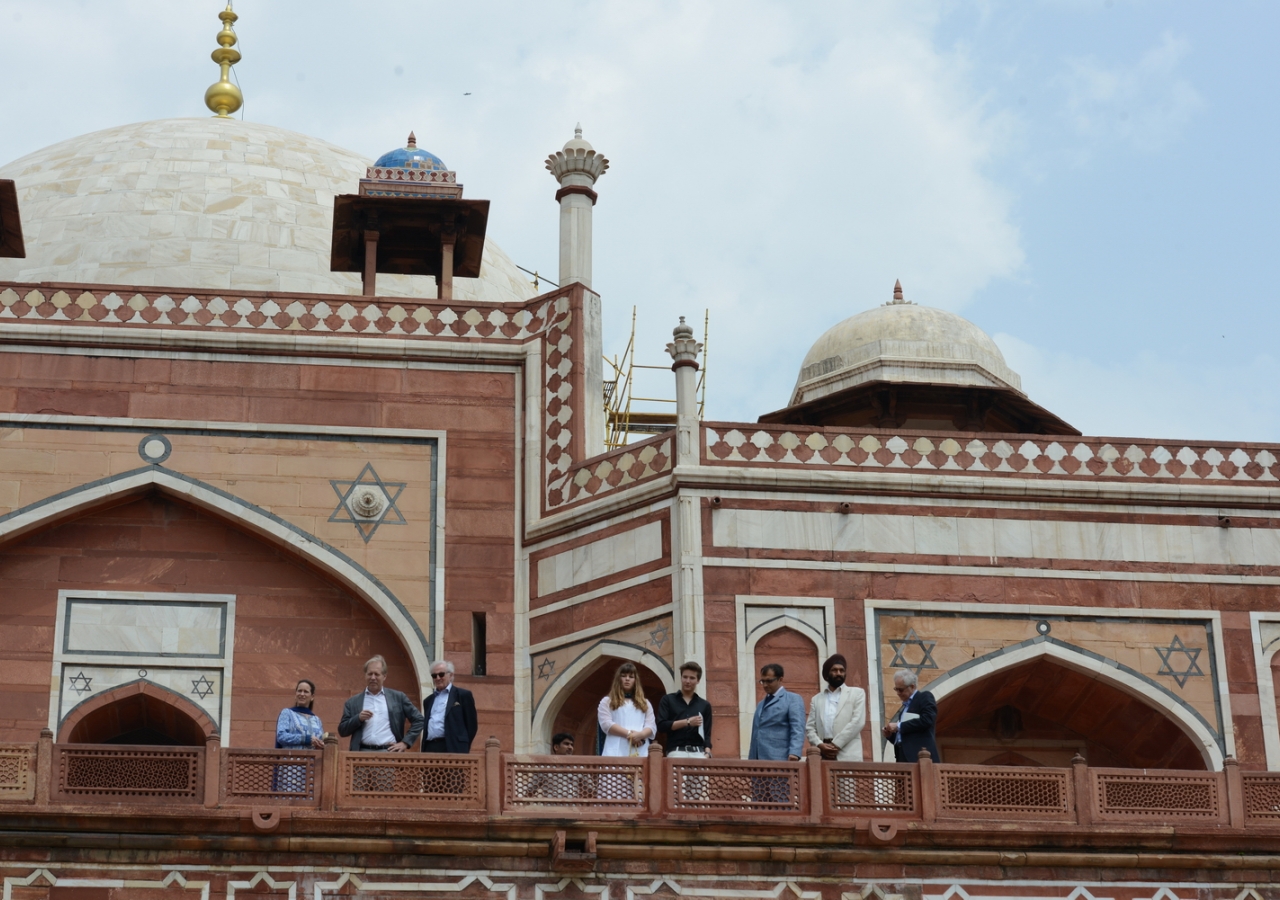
x,y
686,717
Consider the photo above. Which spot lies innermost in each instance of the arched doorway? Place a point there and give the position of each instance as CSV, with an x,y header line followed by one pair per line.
x,y
137,713
797,655
1042,713
577,715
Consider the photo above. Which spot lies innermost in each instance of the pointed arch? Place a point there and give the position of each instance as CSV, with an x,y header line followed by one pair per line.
x,y
84,711
1120,676
785,618
578,670
252,518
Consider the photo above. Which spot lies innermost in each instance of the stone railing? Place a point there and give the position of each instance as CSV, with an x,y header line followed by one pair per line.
x,y
837,449
491,785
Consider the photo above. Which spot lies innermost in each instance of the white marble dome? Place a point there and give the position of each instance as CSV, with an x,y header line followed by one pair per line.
x,y
205,203
902,343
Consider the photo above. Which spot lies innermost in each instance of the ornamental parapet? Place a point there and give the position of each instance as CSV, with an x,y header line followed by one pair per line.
x,y
885,803
1003,456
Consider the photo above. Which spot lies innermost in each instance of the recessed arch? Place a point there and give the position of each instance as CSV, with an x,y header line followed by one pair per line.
x,y
88,721
577,672
258,521
746,664
1191,723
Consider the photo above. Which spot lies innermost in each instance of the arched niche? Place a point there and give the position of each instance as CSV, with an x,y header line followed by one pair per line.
x,y
137,713
792,642
1084,698
292,619
243,515
570,704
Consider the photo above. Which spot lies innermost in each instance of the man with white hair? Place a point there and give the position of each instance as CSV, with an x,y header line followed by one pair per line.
x,y
375,720
450,713
912,729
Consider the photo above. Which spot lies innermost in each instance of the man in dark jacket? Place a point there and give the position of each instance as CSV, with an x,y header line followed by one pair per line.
x,y
375,720
450,714
912,729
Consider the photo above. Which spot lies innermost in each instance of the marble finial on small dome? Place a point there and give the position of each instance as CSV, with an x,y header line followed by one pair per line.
x,y
412,143
683,349
577,142
898,299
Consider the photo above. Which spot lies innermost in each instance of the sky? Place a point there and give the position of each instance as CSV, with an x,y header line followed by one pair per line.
x,y
1092,182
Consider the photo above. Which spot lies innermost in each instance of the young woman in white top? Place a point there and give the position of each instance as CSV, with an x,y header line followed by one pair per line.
x,y
625,717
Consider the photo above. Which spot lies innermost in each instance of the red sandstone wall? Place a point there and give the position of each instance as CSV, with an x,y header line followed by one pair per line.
x,y
291,622
477,410
850,589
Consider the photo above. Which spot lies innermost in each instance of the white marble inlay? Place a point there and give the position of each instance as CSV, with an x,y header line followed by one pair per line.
x,y
203,687
150,628
604,557
1017,538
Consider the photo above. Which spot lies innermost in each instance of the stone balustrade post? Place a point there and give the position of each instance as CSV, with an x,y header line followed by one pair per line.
x,y
817,785
928,787
654,780
1235,791
212,769
329,772
1080,784
44,767
493,776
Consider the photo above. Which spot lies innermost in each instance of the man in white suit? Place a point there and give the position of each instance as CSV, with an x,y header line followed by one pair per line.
x,y
837,715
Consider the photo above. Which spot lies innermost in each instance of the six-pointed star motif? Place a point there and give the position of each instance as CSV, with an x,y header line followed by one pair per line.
x,y
387,513
659,635
546,668
912,639
80,683
1190,670
202,687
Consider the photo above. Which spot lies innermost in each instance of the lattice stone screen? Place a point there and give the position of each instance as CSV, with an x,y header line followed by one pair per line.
x,y
287,776
990,791
870,789
411,780
136,774
616,784
744,785
17,771
1180,795
1262,797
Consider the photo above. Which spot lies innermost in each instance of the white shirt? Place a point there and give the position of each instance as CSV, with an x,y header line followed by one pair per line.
x,y
829,713
439,706
377,731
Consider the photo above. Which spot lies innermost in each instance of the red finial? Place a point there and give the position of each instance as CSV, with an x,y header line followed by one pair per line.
x,y
897,290
413,142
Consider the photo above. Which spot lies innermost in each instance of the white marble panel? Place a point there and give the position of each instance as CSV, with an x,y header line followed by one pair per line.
x,y
606,556
1008,538
203,687
153,629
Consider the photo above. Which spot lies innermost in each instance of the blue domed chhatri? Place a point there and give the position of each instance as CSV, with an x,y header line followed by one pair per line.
x,y
411,157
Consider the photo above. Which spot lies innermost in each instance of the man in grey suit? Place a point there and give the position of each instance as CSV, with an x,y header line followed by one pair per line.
x,y
777,731
375,720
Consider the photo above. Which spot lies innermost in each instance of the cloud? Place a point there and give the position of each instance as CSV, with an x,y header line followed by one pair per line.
x,y
1146,105
1156,396
780,164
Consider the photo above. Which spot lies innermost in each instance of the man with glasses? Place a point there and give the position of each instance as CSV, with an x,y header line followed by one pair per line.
x,y
450,712
777,731
912,728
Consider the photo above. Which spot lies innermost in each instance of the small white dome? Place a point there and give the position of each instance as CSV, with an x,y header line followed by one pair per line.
x,y
903,343
205,203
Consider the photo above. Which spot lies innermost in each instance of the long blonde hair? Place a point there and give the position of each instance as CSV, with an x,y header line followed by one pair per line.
x,y
617,696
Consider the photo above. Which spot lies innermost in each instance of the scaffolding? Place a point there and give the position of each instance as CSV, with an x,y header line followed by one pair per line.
x,y
629,416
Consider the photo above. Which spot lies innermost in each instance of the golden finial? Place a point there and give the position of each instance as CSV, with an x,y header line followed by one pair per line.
x,y
224,98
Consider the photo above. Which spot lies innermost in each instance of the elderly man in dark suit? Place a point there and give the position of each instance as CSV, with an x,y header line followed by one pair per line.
x,y
912,729
450,714
375,720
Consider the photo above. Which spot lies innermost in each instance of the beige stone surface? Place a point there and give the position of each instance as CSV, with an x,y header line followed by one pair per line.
x,y
288,477
204,203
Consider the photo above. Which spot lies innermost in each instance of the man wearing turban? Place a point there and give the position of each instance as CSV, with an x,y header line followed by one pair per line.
x,y
837,714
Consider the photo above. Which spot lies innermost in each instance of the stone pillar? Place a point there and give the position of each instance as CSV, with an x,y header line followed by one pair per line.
x,y
213,770
369,277
686,525
576,167
493,777
447,242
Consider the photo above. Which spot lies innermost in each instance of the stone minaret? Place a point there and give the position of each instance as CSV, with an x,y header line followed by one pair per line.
x,y
576,167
